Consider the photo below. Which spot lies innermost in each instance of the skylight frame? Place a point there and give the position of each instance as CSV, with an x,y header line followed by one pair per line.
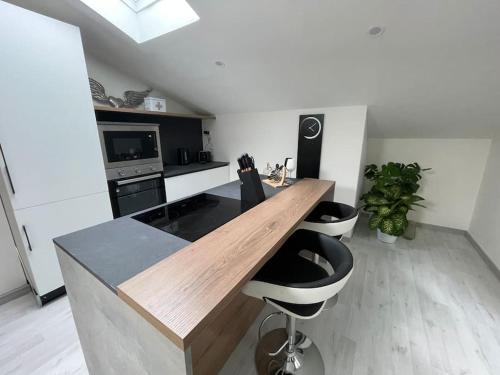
x,y
139,5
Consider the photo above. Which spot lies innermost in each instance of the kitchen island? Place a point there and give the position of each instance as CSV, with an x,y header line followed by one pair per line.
x,y
148,302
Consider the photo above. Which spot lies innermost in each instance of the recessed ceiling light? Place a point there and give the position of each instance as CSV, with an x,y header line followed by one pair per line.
x,y
220,64
376,31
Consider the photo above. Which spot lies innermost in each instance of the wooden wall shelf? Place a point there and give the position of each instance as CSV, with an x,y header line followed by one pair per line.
x,y
143,112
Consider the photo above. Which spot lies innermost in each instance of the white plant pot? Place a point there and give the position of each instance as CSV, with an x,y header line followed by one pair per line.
x,y
384,237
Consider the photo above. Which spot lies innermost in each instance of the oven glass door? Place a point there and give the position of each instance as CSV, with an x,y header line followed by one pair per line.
x,y
129,145
129,197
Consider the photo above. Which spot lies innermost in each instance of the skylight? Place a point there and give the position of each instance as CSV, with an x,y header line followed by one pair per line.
x,y
138,5
143,20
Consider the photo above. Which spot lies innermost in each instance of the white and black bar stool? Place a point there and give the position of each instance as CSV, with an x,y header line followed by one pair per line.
x,y
331,218
298,288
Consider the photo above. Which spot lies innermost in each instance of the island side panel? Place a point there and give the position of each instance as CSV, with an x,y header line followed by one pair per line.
x,y
115,339
214,345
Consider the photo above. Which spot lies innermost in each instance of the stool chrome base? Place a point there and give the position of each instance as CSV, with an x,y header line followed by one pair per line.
x,y
307,355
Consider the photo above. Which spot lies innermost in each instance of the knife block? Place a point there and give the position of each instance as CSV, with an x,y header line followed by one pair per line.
x,y
252,192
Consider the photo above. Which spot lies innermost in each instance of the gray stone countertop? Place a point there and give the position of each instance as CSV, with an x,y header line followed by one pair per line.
x,y
179,170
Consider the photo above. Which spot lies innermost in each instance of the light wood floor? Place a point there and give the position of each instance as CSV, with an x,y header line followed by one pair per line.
x,y
429,306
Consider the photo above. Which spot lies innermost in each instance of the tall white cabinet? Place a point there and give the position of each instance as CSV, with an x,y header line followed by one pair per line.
x,y
12,278
52,177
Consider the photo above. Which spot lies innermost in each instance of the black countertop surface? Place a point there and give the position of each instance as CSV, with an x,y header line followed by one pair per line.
x,y
119,249
178,170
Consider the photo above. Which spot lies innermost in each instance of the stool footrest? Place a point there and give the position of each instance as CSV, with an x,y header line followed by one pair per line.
x,y
306,354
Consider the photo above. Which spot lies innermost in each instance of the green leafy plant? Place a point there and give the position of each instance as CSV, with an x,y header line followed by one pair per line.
x,y
392,195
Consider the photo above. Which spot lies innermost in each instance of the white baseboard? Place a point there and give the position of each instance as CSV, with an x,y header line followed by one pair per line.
x,y
440,227
15,293
483,255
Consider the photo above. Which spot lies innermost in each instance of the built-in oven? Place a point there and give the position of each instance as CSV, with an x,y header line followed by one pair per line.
x,y
135,194
130,149
134,168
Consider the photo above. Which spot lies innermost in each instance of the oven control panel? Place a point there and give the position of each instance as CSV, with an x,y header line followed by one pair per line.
x,y
133,171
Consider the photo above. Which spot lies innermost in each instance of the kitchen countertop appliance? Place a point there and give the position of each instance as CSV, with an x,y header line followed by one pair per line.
x,y
204,157
183,156
193,217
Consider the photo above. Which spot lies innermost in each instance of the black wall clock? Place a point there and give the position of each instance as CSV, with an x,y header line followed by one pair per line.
x,y
309,147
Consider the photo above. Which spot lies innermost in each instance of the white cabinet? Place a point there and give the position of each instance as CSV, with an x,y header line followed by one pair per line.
x,y
49,139
37,226
179,187
11,272
48,130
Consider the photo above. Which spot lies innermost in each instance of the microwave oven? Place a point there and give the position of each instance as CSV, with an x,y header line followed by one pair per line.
x,y
130,149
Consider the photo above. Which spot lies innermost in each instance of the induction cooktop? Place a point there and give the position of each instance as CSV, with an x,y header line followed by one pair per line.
x,y
193,217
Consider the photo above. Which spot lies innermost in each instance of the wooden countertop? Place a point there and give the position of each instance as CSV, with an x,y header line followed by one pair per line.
x,y
183,293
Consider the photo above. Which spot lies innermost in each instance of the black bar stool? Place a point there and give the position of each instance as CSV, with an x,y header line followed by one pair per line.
x,y
298,288
331,218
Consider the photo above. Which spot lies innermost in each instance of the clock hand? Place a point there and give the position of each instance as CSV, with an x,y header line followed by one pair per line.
x,y
312,126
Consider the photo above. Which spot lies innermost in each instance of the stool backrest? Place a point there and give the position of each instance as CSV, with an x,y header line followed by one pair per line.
x,y
332,250
341,211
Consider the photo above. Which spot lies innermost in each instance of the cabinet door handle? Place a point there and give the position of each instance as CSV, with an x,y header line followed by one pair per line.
x,y
27,238
7,171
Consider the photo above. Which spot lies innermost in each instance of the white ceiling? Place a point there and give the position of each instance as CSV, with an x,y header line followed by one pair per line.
x,y
434,72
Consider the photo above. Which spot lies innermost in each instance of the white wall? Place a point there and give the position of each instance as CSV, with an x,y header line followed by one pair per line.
x,y
485,224
11,273
273,136
451,188
116,83
362,163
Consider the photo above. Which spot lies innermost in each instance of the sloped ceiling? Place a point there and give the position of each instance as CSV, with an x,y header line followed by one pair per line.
x,y
433,73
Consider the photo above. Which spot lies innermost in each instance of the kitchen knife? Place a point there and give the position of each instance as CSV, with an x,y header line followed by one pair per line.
x,y
249,161
244,162
240,162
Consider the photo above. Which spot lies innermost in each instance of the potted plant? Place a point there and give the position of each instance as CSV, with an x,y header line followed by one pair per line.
x,y
391,197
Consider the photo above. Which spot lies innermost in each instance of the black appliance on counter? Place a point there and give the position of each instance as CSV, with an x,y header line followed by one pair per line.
x,y
204,157
183,156
193,217
136,194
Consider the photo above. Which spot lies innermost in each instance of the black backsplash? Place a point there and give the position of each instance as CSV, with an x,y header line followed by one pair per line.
x,y
175,132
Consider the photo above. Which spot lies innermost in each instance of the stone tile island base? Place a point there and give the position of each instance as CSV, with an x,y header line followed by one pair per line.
x,y
117,340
